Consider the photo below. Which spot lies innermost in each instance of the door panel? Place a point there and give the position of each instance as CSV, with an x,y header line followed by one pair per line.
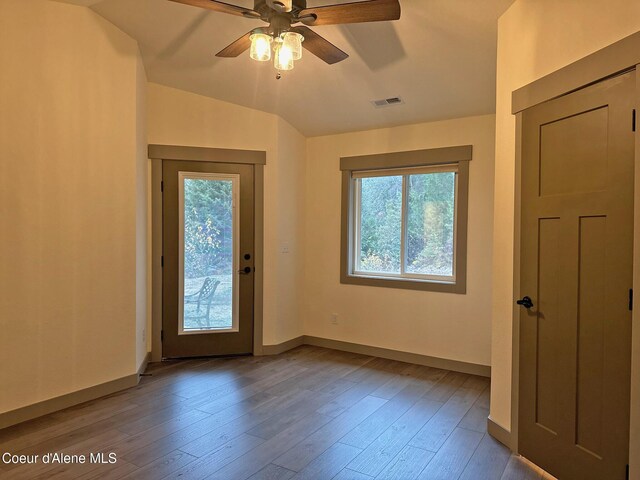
x,y
592,313
208,237
547,411
563,152
576,265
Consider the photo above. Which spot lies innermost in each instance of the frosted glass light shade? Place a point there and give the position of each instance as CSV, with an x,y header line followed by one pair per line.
x,y
293,41
260,47
283,58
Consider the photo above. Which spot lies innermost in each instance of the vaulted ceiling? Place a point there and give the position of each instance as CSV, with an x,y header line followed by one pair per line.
x,y
440,57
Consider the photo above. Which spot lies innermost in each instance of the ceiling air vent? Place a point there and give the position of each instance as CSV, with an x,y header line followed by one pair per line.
x,y
387,102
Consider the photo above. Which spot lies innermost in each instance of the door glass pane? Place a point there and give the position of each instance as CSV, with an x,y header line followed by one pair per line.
x,y
380,224
430,224
209,252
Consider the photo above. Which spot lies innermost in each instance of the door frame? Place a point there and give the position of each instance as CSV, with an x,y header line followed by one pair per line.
x,y
610,61
158,153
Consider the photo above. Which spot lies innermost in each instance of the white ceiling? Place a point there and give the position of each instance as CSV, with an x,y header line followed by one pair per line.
x,y
440,57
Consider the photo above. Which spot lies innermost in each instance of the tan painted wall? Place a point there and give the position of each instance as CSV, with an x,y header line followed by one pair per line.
x,y
285,210
443,325
536,38
67,201
143,247
180,118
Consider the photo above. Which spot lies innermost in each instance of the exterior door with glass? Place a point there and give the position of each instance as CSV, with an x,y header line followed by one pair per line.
x,y
208,243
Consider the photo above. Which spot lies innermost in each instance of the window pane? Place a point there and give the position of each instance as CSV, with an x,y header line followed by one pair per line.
x,y
380,224
430,224
208,254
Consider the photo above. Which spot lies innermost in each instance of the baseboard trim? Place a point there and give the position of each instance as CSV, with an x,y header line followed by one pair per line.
x,y
55,404
45,407
282,347
145,363
500,434
445,364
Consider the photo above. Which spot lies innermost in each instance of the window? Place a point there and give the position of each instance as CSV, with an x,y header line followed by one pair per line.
x,y
404,220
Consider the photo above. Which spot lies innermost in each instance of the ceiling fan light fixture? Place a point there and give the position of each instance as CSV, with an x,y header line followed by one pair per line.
x,y
260,47
283,57
293,41
286,42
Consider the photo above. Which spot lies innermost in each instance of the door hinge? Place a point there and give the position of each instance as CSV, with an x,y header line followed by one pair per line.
x,y
162,182
162,261
162,335
631,299
633,121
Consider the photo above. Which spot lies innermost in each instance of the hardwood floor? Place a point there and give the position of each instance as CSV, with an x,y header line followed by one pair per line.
x,y
310,413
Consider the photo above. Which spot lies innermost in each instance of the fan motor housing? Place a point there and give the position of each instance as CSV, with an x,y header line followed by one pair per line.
x,y
279,23
263,8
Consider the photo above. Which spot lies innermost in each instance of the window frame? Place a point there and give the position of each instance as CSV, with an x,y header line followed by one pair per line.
x,y
356,220
450,157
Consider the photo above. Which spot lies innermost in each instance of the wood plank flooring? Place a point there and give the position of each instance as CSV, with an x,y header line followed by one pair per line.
x,y
310,413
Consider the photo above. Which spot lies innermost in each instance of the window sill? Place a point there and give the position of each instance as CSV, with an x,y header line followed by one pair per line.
x,y
458,287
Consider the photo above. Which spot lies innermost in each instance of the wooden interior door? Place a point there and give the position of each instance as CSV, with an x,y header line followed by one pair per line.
x,y
208,257
576,271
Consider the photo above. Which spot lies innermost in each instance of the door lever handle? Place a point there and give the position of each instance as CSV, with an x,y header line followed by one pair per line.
x,y
526,302
245,271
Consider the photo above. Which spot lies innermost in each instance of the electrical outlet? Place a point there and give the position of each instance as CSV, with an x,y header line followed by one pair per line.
x,y
144,335
334,319
284,248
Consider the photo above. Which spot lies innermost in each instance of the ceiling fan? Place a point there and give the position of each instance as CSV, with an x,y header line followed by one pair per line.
x,y
285,37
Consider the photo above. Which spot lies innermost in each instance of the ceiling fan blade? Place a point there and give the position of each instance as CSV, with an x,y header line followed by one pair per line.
x,y
356,12
221,7
236,48
320,47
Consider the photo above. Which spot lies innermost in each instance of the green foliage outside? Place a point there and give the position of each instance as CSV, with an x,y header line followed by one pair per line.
x,y
380,224
208,227
430,227
430,224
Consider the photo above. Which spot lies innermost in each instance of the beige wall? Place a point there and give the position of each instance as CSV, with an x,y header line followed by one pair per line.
x,y
143,247
443,325
286,211
536,38
67,201
301,287
179,118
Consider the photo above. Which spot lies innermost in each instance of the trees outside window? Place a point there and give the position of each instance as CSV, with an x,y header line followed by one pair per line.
x,y
208,227
404,219
405,223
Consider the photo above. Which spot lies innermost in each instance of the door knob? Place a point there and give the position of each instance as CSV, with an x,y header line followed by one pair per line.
x,y
525,302
245,271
